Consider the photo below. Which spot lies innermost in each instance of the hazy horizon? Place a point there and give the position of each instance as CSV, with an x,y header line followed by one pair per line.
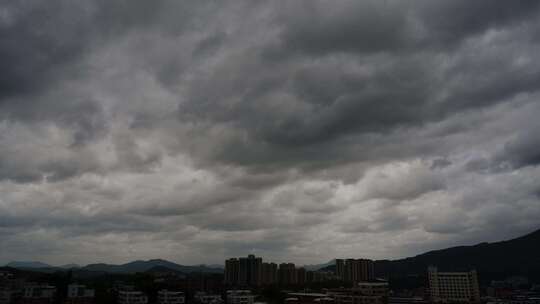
x,y
222,264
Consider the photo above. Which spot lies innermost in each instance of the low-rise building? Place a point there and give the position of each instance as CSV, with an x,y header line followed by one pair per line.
x,y
10,288
8,295
309,298
378,288
171,297
132,297
79,294
524,300
240,297
407,300
363,293
204,298
6,275
38,294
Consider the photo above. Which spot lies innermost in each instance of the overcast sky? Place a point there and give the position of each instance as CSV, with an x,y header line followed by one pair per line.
x,y
300,131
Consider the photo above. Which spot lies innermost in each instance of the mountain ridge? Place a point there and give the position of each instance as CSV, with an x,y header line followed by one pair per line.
x,y
142,266
130,267
519,255
28,264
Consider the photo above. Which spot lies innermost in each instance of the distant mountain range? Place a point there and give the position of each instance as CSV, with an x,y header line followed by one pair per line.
x,y
315,267
27,264
142,266
516,256
70,266
131,267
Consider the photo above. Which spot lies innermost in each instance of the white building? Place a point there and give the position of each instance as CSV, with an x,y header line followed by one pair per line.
x,y
79,291
205,298
453,286
171,297
373,288
38,291
131,297
240,297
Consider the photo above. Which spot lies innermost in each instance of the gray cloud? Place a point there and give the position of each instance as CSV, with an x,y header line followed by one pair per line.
x,y
524,150
300,131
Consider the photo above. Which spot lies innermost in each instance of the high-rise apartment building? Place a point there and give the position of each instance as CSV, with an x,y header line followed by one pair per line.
x,y
301,276
250,271
245,271
355,270
453,286
340,269
232,267
269,274
287,274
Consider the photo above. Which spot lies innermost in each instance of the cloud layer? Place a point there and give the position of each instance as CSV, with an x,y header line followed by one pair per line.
x,y
305,131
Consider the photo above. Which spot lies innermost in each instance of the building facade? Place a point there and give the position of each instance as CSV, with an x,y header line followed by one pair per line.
x,y
308,298
170,297
340,269
204,298
240,297
269,274
355,270
8,295
458,287
359,270
79,294
231,271
363,293
251,271
38,294
245,271
287,274
132,297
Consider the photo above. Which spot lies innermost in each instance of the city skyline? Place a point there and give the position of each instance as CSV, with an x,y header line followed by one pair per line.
x,y
528,242
299,131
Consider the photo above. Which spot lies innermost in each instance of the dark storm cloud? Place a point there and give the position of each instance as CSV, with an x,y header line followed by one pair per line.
x,y
37,40
440,163
454,21
302,104
294,130
319,27
43,42
524,150
520,150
